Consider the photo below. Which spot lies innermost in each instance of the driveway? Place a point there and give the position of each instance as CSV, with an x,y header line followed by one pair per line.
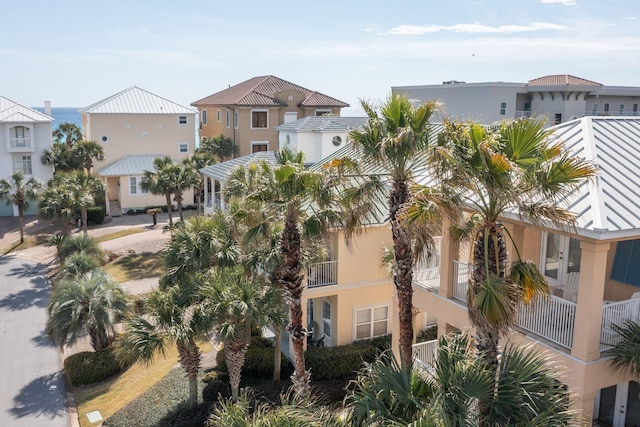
x,y
32,391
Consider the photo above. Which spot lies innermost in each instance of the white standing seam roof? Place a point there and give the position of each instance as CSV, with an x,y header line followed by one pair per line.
x,y
221,171
130,165
136,101
12,112
323,124
608,206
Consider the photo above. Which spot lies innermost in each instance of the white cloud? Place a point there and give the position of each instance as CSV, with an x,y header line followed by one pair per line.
x,y
415,30
564,2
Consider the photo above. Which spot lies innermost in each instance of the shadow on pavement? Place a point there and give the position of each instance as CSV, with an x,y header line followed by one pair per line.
x,y
42,396
42,340
27,270
37,295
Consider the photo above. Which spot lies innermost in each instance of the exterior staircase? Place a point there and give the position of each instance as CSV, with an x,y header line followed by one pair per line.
x,y
114,208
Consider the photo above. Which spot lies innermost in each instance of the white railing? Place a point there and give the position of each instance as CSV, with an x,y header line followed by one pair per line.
x,y
550,317
322,274
616,313
426,272
425,352
520,114
20,144
461,275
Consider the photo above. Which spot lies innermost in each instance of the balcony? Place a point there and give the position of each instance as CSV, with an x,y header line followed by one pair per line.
x,y
552,318
17,145
612,113
322,274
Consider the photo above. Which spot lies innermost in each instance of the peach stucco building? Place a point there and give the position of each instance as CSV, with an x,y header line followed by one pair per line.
x,y
134,127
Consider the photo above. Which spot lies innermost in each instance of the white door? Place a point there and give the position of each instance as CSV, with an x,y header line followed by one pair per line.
x,y
560,256
619,405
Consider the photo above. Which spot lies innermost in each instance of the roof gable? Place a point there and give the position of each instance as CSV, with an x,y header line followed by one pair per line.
x,y
136,101
262,91
12,112
563,80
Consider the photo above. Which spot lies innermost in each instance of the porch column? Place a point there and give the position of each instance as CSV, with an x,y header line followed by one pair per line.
x,y
449,252
222,202
593,268
107,207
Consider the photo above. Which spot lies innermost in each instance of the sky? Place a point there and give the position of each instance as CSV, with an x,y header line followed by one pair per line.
x,y
75,53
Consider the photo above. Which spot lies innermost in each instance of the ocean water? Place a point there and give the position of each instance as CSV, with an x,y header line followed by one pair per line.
x,y
64,115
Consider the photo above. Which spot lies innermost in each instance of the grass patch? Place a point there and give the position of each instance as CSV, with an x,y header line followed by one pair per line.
x,y
136,266
118,234
112,395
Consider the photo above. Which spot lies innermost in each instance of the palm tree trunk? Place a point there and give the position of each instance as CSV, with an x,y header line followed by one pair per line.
x,y
277,356
402,272
235,351
168,196
489,251
21,221
83,215
190,360
193,389
178,200
291,281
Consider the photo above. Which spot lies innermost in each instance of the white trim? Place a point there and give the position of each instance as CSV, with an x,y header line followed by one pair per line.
x,y
323,111
371,308
259,110
138,184
185,144
21,162
186,120
254,143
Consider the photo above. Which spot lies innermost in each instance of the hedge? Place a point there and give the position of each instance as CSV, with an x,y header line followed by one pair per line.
x,y
95,215
89,367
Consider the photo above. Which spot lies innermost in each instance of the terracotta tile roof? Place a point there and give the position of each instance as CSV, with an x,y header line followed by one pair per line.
x,y
562,80
262,91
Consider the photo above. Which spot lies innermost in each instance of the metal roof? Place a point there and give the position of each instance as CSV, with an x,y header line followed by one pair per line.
x,y
323,124
221,171
608,207
136,101
130,165
261,91
12,112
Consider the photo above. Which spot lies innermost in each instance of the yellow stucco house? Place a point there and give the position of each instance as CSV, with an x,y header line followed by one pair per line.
x,y
135,126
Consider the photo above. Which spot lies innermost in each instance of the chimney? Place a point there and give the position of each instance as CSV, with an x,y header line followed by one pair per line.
x,y
47,108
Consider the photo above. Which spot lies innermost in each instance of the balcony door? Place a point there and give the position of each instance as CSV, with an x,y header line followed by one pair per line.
x,y
618,405
560,256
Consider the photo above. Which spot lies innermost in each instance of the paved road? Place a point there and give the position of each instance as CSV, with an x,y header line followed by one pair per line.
x,y
31,386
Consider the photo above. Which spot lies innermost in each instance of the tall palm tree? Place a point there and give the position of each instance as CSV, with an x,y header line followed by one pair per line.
x,y
172,317
56,201
236,302
85,188
219,146
90,303
304,203
85,152
184,176
67,133
159,181
395,139
516,167
19,191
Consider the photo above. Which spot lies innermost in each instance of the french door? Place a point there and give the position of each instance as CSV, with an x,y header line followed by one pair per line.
x,y
560,256
619,406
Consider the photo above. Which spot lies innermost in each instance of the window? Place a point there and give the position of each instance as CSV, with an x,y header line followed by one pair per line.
x,y
626,268
236,119
606,108
527,106
558,118
594,109
259,119
104,138
22,164
326,318
323,112
135,185
336,140
503,108
228,119
259,146
635,109
184,147
621,109
372,322
219,115
19,137
182,120
203,117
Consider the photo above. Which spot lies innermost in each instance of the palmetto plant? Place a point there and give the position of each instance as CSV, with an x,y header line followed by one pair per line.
x,y
19,191
92,304
515,167
626,353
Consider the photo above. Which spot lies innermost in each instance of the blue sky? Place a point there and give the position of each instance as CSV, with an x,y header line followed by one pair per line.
x,y
75,53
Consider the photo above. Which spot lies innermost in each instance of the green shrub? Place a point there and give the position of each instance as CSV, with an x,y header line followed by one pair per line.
x,y
427,334
89,367
258,362
344,361
260,342
95,215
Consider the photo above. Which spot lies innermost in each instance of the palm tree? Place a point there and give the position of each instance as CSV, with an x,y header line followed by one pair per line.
x,y
171,317
61,158
304,203
395,139
67,133
90,303
524,392
219,146
236,302
78,264
199,160
159,182
626,354
85,152
18,191
81,243
56,201
515,167
183,177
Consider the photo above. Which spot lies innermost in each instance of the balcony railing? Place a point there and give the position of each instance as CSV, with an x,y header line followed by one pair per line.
x,y
461,274
551,317
424,353
322,274
611,113
20,144
617,313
